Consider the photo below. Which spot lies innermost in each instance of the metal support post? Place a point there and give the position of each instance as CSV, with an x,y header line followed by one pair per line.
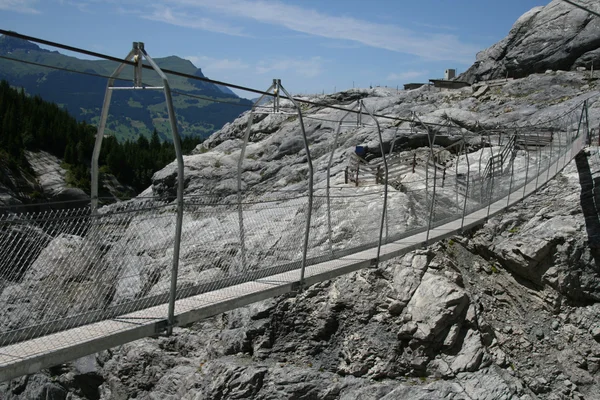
x,y
180,187
587,122
539,160
385,188
565,134
572,139
137,54
512,175
462,145
310,183
276,97
493,172
430,157
480,175
102,127
359,119
549,160
242,232
527,168
560,152
462,224
329,164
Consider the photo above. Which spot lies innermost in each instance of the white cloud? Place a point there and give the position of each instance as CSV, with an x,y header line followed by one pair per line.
x,y
403,76
307,68
385,36
168,15
22,6
128,11
212,66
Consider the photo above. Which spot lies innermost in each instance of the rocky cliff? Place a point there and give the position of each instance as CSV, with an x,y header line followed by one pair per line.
x,y
45,183
558,36
510,310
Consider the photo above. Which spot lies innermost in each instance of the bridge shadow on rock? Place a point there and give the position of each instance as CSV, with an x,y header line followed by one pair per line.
x,y
590,201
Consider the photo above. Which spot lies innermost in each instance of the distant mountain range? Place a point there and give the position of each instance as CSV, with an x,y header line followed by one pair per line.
x,y
133,113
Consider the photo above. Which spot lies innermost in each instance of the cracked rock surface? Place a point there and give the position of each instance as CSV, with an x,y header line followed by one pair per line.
x,y
509,310
468,318
558,36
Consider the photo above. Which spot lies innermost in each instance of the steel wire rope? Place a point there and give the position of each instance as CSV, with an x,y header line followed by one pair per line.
x,y
51,203
128,80
185,75
167,71
193,77
274,200
98,75
313,103
584,8
62,218
61,68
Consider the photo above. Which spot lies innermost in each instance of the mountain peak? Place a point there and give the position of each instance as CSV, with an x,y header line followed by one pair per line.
x,y
10,44
178,64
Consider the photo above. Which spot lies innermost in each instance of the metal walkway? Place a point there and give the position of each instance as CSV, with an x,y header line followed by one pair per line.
x,y
32,355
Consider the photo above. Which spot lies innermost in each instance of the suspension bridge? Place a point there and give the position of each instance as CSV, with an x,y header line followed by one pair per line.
x,y
79,281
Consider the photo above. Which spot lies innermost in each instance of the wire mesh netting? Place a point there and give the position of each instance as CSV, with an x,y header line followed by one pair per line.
x,y
65,268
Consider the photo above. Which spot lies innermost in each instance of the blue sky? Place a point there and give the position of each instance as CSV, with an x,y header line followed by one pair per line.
x,y
312,45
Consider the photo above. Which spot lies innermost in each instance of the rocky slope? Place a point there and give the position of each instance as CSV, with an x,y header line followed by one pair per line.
x,y
463,319
510,310
46,182
556,37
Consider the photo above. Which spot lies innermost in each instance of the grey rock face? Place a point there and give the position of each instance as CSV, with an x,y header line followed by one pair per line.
x,y
16,186
555,37
510,310
51,177
47,183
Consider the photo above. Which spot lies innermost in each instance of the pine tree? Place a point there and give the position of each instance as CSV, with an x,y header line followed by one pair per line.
x,y
32,123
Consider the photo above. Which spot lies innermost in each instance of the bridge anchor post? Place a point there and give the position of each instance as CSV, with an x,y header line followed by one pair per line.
x,y
135,58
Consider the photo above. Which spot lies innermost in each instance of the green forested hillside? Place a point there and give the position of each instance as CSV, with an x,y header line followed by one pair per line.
x,y
31,123
133,113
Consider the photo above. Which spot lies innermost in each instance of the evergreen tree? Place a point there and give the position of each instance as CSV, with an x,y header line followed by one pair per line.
x,y
30,122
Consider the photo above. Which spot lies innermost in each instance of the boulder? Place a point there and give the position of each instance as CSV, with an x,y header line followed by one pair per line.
x,y
558,36
436,305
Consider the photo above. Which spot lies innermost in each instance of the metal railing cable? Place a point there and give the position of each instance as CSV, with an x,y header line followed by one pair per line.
x,y
189,76
61,269
52,311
